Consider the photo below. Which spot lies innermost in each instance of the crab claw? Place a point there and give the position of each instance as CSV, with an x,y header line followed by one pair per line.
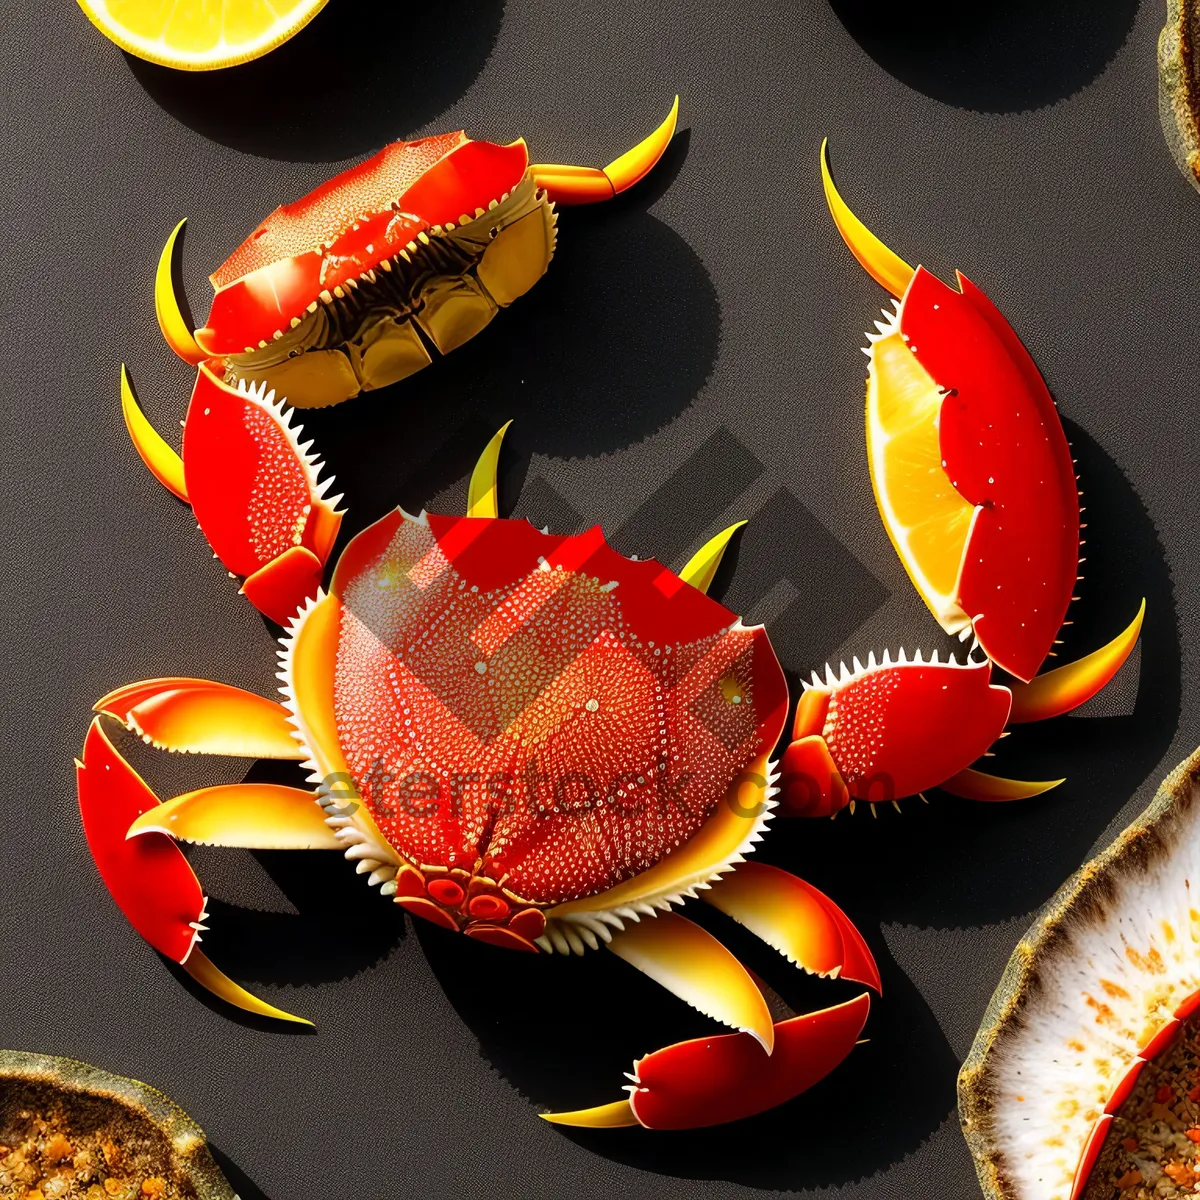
x,y
888,730
587,185
147,875
254,488
256,493
198,716
714,1080
970,466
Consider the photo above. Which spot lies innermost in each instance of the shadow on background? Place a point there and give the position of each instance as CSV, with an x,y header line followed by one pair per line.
x,y
238,1180
392,70
563,1031
991,57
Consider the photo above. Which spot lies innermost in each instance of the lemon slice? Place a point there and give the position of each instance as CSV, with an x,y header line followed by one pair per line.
x,y
927,520
200,35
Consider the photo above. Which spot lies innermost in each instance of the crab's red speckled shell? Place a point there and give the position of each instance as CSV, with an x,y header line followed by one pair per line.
x,y
913,726
494,684
348,226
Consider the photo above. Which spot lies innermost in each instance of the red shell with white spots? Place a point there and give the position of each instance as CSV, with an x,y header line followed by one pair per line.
x,y
893,730
1004,450
540,710
254,491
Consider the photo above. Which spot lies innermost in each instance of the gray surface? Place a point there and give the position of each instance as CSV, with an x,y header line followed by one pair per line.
x,y
713,308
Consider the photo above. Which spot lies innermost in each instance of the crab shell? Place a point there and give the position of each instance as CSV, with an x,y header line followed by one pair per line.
x,y
1098,986
528,723
349,288
457,673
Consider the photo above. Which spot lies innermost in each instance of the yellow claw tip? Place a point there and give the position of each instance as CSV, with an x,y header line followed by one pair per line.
x,y
702,567
1067,687
163,462
886,267
635,164
214,980
617,1115
166,306
482,498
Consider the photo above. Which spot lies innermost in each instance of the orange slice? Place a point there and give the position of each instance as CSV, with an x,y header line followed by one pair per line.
x,y
200,35
927,520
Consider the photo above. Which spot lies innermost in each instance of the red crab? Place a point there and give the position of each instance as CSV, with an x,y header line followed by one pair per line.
x,y
525,737
976,486
347,290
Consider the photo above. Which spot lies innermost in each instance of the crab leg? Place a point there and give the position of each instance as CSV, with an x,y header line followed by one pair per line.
x,y
587,185
693,965
201,717
254,487
710,1081
148,876
793,917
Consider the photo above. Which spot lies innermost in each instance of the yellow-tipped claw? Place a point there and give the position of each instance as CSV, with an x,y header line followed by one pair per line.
x,y
165,465
616,1115
1068,687
886,267
975,785
636,164
214,980
702,566
482,495
566,184
199,716
253,816
166,306
692,964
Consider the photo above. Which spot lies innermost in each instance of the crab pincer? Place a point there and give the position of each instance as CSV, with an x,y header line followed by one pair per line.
x,y
147,875
974,481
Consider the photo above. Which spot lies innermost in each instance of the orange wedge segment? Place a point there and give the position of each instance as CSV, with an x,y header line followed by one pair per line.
x,y
200,35
927,520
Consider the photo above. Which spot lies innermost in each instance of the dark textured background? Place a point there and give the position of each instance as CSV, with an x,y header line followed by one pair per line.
x,y
692,357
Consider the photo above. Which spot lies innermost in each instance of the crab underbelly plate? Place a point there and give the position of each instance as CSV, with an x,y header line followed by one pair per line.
x,y
378,327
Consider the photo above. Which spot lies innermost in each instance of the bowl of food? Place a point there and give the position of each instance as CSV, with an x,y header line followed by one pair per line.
x,y
69,1131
